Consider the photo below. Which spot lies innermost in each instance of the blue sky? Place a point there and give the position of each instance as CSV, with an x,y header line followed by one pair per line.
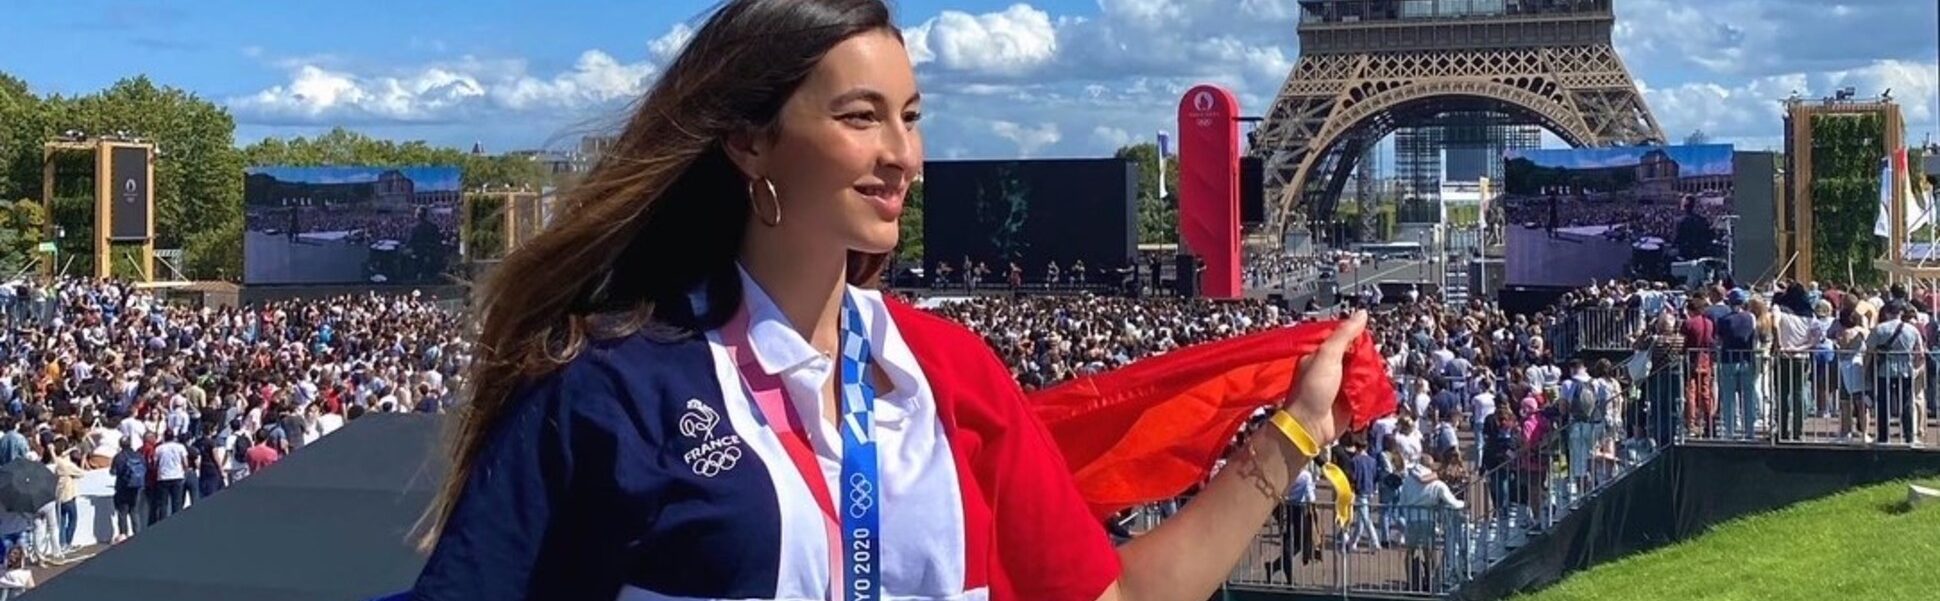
x,y
1703,159
422,178
1006,78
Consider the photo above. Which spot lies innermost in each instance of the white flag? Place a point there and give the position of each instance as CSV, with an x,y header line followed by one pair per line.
x,y
1883,225
1919,211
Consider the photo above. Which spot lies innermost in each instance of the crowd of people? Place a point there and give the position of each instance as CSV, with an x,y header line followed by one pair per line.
x,y
1628,220
1781,361
1496,423
374,224
1049,339
178,402
1272,270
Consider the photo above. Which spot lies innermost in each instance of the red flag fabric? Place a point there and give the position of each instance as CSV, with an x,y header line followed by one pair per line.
x,y
1149,431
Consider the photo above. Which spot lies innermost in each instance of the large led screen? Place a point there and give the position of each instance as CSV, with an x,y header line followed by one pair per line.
x,y
1577,216
1033,213
350,225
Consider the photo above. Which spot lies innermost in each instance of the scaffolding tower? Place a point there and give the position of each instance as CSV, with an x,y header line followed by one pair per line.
x,y
1457,146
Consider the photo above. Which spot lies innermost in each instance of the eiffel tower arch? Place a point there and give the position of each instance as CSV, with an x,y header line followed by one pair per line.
x,y
1370,67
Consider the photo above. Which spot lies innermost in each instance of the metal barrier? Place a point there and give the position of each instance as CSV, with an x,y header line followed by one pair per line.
x,y
1546,466
1819,396
1605,329
1552,463
1422,551
1333,311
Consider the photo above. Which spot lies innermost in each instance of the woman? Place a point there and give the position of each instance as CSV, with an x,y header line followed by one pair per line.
x,y
653,369
1764,346
67,478
1430,504
1501,441
1856,385
1663,389
1825,380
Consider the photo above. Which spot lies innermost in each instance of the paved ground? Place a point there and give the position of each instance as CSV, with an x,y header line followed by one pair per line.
x,y
74,558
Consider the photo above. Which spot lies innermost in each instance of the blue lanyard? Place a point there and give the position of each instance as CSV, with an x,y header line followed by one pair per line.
x,y
861,518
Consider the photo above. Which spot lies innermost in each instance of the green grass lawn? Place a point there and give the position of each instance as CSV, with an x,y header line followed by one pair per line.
x,y
1861,544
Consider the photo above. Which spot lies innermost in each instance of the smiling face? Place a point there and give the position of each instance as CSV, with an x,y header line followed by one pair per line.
x,y
843,151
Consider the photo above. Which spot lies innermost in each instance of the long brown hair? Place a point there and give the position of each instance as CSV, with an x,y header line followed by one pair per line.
x,y
664,203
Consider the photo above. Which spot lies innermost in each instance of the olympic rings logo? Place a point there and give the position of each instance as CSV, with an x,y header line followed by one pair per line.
x,y
712,464
862,495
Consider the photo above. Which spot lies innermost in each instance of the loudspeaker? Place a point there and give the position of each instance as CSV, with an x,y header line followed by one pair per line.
x,y
1754,238
1185,275
1252,191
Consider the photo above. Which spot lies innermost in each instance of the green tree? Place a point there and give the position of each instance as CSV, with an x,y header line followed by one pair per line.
x,y
216,253
909,246
21,223
196,186
21,136
1158,216
341,146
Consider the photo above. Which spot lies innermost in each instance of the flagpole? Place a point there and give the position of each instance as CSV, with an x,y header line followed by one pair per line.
x,y
1163,143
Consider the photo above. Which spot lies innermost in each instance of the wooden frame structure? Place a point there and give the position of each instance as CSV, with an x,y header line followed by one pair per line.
x,y
103,151
521,210
1795,205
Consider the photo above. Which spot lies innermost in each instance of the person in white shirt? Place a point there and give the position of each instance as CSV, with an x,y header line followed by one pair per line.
x,y
171,470
1481,408
329,422
132,428
1407,440
16,578
105,442
1424,498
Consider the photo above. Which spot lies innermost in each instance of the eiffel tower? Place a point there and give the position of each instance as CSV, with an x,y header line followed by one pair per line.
x,y
1370,67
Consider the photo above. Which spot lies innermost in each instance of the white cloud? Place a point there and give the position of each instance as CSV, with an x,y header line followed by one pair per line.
x,y
1110,137
1013,82
666,47
596,78
315,92
467,88
1749,113
1145,14
1013,42
1770,37
1717,66
1029,139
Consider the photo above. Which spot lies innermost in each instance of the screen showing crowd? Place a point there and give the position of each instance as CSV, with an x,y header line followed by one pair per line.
x,y
1574,216
350,225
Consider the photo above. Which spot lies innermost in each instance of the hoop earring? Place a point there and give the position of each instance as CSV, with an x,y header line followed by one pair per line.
x,y
755,204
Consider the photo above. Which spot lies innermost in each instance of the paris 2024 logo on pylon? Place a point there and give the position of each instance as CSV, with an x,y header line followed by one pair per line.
x,y
1203,104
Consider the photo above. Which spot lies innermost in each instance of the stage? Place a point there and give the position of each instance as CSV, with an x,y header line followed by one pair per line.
x,y
1572,257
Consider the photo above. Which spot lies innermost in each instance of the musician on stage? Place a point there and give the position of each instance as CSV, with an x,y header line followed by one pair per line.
x,y
688,389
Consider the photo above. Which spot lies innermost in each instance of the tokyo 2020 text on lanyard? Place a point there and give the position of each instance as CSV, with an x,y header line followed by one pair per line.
x,y
854,529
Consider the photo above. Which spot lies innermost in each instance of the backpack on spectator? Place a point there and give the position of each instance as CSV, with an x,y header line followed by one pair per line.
x,y
134,470
240,451
1583,402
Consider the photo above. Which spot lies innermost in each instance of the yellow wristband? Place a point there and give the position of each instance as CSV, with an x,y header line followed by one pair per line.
x,y
1304,442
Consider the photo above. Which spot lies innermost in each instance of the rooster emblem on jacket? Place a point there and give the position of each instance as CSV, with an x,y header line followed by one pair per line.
x,y
700,419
